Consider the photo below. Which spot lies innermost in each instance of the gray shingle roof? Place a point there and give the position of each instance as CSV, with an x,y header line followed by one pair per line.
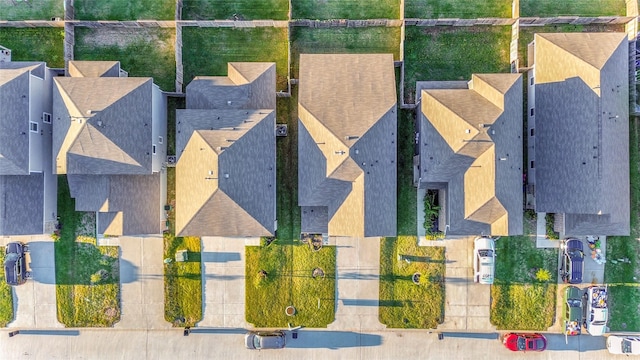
x,y
582,132
14,115
21,204
102,125
243,88
347,143
94,68
471,145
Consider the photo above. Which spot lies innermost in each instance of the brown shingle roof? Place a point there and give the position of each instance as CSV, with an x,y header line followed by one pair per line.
x,y
94,68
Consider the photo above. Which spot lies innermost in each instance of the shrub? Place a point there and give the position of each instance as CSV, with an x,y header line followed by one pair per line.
x,y
543,275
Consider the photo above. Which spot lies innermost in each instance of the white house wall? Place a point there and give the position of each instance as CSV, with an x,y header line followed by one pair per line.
x,y
36,108
531,124
159,127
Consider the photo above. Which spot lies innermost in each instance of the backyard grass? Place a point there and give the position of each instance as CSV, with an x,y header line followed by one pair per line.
x,y
518,300
87,276
141,52
367,40
6,296
407,196
453,53
349,9
35,44
404,304
183,280
242,9
173,103
31,10
623,278
206,51
463,9
527,32
550,8
125,9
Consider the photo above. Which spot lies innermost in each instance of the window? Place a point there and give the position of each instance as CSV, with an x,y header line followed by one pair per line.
x,y
153,149
160,139
532,131
46,118
33,126
531,111
532,164
531,81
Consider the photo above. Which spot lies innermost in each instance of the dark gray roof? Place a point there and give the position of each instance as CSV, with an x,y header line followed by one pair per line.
x,y
237,147
472,147
21,204
102,125
136,196
315,219
14,115
357,119
247,86
582,138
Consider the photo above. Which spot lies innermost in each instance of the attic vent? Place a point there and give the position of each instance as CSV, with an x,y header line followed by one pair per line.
x,y
468,131
351,137
99,122
229,102
341,152
226,176
357,151
210,172
222,148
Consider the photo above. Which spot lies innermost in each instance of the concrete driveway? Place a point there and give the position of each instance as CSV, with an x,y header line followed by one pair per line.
x,y
223,273
34,303
142,283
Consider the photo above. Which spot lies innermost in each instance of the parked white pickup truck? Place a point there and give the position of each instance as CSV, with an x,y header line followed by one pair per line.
x,y
596,312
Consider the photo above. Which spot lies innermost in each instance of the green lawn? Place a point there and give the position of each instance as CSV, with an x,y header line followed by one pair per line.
x,y
527,32
206,51
183,280
453,53
125,9
289,282
518,300
407,196
141,52
404,304
35,44
624,293
6,296
173,103
242,9
31,10
349,9
87,276
463,9
306,40
550,8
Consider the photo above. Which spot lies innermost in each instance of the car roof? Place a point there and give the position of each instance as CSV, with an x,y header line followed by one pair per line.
x,y
484,243
272,340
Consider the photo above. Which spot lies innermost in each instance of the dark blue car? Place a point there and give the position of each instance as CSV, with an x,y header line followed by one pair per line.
x,y
572,265
15,265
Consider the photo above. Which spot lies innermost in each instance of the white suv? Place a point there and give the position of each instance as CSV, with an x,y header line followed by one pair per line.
x,y
484,260
596,311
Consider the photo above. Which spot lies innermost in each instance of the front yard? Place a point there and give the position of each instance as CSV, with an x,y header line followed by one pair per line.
x,y
206,51
453,53
87,276
403,303
35,44
521,298
142,52
6,296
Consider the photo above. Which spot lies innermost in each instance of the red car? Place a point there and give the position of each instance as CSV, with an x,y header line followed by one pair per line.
x,y
525,342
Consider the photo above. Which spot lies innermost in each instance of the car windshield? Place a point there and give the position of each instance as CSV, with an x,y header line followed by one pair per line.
x,y
11,257
626,346
539,344
256,342
485,253
522,342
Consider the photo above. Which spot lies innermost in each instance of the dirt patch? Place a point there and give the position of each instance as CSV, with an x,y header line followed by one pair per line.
x,y
164,40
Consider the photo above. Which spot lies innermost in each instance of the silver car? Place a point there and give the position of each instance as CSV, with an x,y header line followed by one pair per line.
x,y
484,260
258,340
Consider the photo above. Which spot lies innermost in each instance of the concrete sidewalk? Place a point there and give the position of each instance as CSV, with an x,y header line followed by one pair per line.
x,y
142,283
357,283
223,274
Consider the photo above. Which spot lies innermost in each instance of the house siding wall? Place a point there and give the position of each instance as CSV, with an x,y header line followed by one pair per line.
x,y
36,107
159,127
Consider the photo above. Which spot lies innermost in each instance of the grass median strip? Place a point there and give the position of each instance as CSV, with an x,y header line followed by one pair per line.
x,y
403,303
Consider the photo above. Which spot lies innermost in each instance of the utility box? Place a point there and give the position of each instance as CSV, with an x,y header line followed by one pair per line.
x,y
181,255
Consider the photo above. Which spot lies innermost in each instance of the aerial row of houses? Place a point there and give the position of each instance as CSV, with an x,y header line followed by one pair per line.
x,y
108,133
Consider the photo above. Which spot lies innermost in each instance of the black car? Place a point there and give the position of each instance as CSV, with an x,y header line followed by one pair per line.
x,y
572,261
15,265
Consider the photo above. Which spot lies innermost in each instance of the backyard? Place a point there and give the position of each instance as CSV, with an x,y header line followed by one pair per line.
x,y
236,9
407,197
463,9
338,40
453,53
183,280
6,296
125,9
524,292
148,52
87,276
622,277
550,8
403,302
206,51
35,44
345,9
31,10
